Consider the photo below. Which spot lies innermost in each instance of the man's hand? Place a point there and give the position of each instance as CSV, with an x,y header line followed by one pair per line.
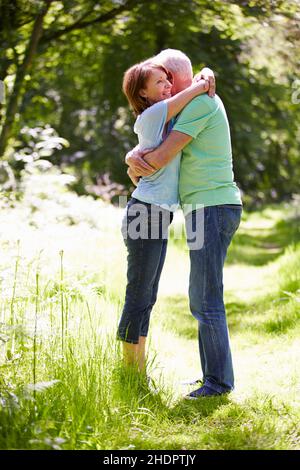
x,y
208,75
134,159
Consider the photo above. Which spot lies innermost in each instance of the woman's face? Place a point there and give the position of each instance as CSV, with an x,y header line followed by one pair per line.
x,y
158,87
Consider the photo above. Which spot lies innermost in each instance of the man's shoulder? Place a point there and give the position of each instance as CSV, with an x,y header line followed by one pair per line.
x,y
203,103
205,100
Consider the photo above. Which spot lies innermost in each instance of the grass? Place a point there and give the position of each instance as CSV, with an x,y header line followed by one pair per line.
x,y
62,384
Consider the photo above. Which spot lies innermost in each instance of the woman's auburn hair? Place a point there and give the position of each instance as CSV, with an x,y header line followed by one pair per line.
x,y
135,79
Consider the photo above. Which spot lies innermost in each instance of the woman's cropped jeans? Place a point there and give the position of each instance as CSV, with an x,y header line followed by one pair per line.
x,y
145,232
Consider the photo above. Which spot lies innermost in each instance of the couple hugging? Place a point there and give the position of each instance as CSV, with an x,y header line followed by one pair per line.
x,y
184,154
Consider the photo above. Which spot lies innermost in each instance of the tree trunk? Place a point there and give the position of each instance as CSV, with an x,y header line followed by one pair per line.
x,y
22,70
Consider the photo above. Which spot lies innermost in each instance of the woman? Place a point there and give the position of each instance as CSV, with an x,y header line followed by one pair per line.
x,y
147,87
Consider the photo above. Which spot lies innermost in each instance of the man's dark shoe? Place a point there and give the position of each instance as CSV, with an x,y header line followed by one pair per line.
x,y
203,391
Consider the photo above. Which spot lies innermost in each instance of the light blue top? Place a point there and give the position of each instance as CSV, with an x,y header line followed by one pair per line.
x,y
161,188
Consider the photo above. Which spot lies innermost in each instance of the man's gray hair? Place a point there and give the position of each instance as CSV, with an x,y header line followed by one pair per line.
x,y
175,61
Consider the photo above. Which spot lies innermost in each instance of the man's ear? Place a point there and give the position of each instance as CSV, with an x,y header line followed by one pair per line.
x,y
171,76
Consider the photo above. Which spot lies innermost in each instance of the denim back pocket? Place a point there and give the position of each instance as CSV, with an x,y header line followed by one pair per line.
x,y
230,216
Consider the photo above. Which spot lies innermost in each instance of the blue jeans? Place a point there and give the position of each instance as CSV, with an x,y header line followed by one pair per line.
x,y
146,248
206,295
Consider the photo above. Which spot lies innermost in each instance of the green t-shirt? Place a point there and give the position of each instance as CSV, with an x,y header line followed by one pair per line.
x,y
206,176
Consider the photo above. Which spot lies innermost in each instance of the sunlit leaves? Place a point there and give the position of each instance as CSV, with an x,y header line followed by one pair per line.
x,y
75,85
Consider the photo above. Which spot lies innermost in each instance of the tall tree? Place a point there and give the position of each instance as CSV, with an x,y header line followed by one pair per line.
x,y
89,18
23,68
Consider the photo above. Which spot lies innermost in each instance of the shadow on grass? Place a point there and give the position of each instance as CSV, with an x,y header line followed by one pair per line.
x,y
266,315
205,423
183,324
236,313
146,398
154,421
190,411
258,247
178,317
180,320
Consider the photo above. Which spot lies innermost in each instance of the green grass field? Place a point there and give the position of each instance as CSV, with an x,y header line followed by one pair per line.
x,y
63,267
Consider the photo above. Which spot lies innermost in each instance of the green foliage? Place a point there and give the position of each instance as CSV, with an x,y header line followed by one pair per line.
x,y
75,84
65,280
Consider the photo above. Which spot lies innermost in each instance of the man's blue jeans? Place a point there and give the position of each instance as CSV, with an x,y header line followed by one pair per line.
x,y
145,260
206,295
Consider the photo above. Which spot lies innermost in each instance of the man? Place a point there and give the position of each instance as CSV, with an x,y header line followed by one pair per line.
x,y
206,179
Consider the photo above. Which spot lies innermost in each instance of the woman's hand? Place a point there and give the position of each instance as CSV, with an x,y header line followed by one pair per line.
x,y
207,75
201,85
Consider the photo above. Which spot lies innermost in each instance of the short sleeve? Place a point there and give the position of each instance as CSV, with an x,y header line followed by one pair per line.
x,y
149,126
195,116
